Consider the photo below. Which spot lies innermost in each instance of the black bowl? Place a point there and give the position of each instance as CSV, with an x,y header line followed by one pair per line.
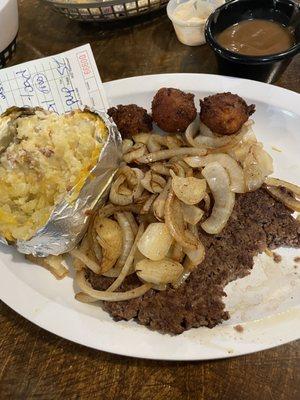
x,y
262,68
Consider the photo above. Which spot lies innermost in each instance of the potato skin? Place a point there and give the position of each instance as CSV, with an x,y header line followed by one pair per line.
x,y
130,119
173,110
225,113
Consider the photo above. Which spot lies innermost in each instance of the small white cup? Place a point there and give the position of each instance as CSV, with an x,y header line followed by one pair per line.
x,y
189,33
9,24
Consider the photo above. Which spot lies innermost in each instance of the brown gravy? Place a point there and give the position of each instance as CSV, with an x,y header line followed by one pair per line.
x,y
256,37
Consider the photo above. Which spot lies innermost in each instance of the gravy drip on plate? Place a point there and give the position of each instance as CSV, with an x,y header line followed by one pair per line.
x,y
256,37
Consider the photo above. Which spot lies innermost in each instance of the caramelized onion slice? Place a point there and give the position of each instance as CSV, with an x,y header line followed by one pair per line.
x,y
188,267
141,137
196,256
92,265
132,222
153,182
110,238
55,264
258,164
128,263
174,141
155,241
191,132
236,140
155,142
191,214
233,169
285,198
127,187
176,224
110,209
169,153
85,286
159,203
176,252
218,181
209,139
85,298
207,201
126,145
115,196
158,272
160,168
189,190
128,238
280,183
133,153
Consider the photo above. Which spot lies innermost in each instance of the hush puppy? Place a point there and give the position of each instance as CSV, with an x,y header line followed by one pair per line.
x,y
173,110
225,113
130,119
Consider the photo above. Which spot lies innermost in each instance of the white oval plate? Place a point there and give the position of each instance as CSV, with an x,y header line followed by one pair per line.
x,y
266,303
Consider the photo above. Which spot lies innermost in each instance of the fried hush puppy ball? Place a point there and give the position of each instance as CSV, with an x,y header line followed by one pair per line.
x,y
173,110
225,113
130,119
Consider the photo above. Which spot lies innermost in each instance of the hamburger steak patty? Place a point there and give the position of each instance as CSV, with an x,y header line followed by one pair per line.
x,y
257,222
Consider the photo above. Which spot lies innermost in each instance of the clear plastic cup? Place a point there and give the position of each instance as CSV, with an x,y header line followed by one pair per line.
x,y
189,33
9,22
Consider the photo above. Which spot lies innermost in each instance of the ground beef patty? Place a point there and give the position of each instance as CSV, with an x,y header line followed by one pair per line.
x,y
258,221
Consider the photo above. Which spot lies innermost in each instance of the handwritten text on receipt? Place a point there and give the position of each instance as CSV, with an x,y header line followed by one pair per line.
x,y
57,83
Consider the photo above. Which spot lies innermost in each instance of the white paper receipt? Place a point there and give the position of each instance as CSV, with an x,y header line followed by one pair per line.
x,y
58,83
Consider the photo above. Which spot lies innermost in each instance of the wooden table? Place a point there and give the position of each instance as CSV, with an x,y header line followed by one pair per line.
x,y
39,365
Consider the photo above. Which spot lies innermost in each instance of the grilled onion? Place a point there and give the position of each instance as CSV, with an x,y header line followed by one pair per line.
x,y
176,225
219,184
191,214
233,169
191,132
127,187
160,201
85,286
126,145
189,190
135,152
148,204
177,253
196,256
208,139
155,142
109,237
160,169
141,137
289,201
153,182
287,185
92,265
155,241
258,164
128,238
55,264
169,153
158,272
128,263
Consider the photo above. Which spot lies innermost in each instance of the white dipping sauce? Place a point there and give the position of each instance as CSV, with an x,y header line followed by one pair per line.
x,y
189,19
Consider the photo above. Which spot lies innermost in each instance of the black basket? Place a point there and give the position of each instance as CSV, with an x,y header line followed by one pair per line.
x,y
110,10
6,54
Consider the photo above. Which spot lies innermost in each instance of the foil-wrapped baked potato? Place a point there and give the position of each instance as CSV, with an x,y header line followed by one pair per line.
x,y
49,165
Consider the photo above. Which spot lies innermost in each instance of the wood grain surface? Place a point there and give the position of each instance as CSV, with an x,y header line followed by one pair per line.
x,y
35,364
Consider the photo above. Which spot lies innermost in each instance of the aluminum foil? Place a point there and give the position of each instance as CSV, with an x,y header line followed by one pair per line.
x,y
68,221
